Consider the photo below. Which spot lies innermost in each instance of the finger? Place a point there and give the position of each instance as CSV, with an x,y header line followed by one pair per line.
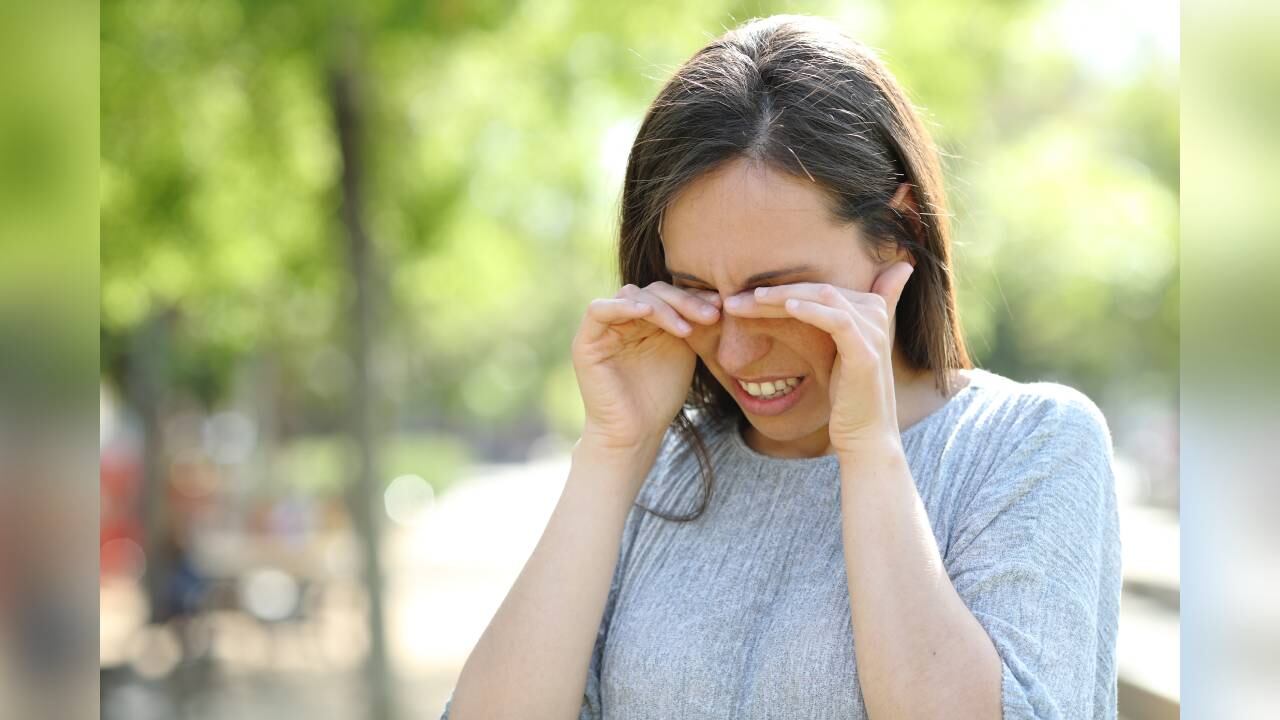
x,y
603,312
844,327
664,316
746,305
825,293
767,302
815,292
889,284
686,302
710,296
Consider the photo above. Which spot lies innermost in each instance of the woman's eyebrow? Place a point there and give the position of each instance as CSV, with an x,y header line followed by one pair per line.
x,y
754,279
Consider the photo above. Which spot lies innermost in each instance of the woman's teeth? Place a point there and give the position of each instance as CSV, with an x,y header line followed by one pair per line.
x,y
770,390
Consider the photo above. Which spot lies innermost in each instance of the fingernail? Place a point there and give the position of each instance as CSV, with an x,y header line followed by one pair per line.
x,y
734,302
762,291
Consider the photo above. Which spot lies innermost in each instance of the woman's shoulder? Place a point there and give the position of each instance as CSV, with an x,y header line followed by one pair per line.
x,y
1019,408
1040,474
1018,427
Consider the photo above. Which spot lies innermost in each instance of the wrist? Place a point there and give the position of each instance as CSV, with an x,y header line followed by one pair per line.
x,y
612,449
627,465
877,448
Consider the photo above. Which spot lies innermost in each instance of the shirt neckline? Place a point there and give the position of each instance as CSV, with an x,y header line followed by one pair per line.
x,y
977,376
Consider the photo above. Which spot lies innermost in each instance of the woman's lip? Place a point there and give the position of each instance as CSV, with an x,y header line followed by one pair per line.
x,y
776,406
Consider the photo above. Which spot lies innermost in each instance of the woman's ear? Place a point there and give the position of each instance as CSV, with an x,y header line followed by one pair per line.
x,y
904,201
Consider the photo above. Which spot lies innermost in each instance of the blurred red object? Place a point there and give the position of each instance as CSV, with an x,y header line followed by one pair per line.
x,y
121,520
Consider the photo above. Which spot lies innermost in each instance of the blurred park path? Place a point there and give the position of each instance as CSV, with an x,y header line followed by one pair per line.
x,y
1148,648
449,572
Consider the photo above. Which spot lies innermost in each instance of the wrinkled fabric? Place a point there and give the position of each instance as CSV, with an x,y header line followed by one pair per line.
x,y
744,613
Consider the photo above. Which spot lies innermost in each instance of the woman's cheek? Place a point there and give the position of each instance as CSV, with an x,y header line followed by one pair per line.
x,y
815,346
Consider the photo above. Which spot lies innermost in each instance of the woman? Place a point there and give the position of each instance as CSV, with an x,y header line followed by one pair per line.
x,y
892,533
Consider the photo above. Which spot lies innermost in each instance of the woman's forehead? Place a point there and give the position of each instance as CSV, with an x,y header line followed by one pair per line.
x,y
741,193
741,257
743,219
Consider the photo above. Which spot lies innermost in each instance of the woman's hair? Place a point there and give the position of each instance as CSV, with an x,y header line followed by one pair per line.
x,y
795,93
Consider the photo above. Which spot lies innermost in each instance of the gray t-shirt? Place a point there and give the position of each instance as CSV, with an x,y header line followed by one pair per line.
x,y
744,613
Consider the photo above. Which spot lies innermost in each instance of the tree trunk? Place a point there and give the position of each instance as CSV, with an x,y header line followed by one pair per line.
x,y
148,367
365,488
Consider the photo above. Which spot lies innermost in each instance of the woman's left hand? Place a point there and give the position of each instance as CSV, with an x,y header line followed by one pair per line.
x,y
863,404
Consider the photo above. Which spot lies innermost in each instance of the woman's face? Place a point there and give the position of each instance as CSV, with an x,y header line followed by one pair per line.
x,y
725,230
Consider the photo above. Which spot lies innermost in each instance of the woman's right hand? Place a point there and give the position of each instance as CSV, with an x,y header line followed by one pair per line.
x,y
632,363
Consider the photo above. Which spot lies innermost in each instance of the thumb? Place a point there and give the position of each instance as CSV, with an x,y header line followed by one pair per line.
x,y
889,284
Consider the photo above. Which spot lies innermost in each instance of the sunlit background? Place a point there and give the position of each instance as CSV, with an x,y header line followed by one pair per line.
x,y
343,256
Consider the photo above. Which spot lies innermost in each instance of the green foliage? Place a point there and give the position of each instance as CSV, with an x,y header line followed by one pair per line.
x,y
495,134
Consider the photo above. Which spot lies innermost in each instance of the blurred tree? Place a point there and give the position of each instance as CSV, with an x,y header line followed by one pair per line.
x,y
220,171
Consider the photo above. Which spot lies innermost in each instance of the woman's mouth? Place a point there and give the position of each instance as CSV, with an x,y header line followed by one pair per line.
x,y
770,390
769,396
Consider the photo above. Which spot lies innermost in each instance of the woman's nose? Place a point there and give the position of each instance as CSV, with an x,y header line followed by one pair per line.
x,y
739,345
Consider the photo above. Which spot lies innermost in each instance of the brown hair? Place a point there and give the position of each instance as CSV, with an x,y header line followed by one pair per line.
x,y
796,93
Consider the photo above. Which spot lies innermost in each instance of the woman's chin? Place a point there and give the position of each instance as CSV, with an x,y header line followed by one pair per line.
x,y
788,437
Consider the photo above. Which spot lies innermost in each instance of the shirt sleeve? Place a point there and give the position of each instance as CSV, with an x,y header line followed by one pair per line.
x,y
1036,558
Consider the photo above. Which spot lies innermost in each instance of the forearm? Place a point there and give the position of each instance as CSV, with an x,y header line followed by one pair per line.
x,y
920,652
531,661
